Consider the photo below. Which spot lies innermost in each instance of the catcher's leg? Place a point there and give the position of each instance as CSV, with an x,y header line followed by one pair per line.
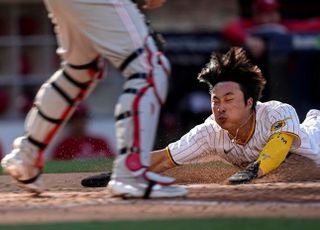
x,y
136,115
137,111
138,107
56,99
53,105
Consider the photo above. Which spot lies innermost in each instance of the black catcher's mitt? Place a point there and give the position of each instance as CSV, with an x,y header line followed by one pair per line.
x,y
100,180
246,175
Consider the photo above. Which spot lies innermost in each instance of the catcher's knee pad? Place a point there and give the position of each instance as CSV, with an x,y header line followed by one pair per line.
x,y
152,63
57,99
160,69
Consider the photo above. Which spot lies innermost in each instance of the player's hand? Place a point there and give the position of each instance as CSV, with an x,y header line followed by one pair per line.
x,y
246,175
153,4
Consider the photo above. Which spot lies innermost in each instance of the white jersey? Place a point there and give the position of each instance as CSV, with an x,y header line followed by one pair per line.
x,y
271,117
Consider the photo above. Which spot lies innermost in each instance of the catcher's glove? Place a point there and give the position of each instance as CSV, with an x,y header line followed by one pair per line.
x,y
246,175
100,180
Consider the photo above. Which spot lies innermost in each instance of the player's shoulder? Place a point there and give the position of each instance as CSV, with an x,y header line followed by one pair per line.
x,y
273,106
269,104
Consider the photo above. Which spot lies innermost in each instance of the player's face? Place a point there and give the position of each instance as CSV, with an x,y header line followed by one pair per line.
x,y
228,105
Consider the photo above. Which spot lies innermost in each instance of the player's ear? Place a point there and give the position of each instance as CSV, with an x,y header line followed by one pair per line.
x,y
250,102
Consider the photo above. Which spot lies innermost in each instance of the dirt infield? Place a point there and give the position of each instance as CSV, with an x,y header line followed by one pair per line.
x,y
65,199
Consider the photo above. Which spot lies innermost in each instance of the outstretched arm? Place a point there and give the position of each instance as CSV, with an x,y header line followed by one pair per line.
x,y
270,158
161,160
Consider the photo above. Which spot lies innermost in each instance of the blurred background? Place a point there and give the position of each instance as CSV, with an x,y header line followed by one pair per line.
x,y
282,37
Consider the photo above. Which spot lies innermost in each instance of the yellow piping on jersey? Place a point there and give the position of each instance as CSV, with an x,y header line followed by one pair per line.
x,y
253,127
170,157
275,151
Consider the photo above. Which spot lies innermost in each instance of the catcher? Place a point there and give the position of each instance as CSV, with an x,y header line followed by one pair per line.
x,y
88,32
242,130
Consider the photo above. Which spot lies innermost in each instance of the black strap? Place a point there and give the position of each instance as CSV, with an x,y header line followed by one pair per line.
x,y
131,90
31,180
52,120
129,150
74,82
130,58
91,65
137,76
124,115
39,144
149,189
62,93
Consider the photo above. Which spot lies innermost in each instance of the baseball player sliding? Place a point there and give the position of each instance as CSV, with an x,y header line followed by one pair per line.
x,y
89,31
241,129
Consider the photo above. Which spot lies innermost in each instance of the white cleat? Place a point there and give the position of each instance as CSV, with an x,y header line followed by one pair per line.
x,y
35,187
136,189
27,176
145,185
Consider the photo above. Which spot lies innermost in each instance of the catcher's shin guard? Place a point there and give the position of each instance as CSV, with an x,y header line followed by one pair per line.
x,y
138,107
56,101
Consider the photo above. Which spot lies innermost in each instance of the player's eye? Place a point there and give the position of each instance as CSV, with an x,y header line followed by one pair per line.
x,y
215,100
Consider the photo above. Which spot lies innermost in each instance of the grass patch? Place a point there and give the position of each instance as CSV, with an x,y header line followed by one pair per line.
x,y
183,224
100,165
78,166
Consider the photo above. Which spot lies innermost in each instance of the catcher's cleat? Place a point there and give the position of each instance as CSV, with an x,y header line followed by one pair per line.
x,y
137,187
100,180
144,184
36,186
27,175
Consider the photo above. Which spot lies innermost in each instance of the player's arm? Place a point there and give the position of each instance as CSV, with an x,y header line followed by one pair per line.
x,y
275,152
271,156
161,160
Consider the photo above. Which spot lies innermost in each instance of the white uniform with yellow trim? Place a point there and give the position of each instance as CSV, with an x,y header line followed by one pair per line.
x,y
271,117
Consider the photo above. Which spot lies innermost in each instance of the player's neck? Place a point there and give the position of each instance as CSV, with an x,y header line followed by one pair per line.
x,y
244,132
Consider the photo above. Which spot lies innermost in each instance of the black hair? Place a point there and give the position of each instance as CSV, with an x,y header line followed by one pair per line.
x,y
234,66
